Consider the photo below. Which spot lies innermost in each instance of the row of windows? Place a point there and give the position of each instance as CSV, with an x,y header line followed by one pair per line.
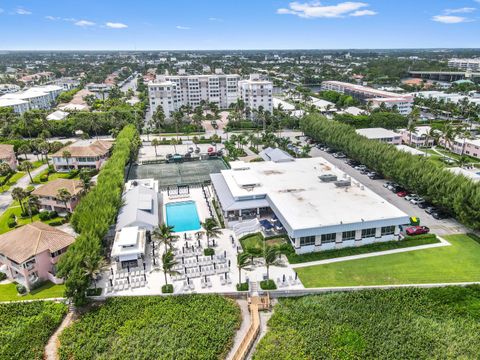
x,y
346,235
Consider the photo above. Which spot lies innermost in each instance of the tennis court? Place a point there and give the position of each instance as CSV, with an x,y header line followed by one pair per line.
x,y
193,172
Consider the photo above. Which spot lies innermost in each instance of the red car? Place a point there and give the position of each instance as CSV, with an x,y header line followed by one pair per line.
x,y
402,193
417,230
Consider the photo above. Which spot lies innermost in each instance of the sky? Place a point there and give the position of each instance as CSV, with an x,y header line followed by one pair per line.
x,y
239,24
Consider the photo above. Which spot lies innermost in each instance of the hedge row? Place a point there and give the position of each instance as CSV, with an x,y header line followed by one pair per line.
x,y
454,193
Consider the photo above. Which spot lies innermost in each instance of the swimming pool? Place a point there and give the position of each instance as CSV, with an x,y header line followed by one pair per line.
x,y
182,216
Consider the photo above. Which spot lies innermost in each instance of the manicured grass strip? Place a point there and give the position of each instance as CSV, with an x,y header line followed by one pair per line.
x,y
442,323
12,181
391,245
449,264
180,327
8,292
17,211
27,327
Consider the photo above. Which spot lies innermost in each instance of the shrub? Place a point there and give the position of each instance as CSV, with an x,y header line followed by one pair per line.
x,y
37,284
30,188
44,215
3,276
94,292
167,289
209,252
243,286
268,285
44,178
12,223
53,214
21,289
56,223
12,216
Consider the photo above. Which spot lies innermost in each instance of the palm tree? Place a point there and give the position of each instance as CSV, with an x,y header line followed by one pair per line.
x,y
212,230
19,195
174,142
67,155
412,129
168,262
155,143
64,196
44,147
93,267
243,260
271,257
33,204
164,235
24,149
26,166
85,178
5,169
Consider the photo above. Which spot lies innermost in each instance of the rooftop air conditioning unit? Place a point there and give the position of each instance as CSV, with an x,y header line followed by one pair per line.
x,y
342,183
328,178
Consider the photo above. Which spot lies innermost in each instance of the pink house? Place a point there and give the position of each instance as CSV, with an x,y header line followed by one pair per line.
x,y
470,147
48,194
29,253
7,155
419,138
83,154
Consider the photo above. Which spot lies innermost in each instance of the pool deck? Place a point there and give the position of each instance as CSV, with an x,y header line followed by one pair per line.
x,y
223,246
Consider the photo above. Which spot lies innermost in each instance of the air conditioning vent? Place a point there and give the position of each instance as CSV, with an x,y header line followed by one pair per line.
x,y
328,178
343,183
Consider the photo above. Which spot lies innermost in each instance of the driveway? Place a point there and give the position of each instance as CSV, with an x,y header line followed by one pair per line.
x,y
440,227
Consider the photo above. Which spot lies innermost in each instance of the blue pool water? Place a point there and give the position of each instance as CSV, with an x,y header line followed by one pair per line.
x,y
183,216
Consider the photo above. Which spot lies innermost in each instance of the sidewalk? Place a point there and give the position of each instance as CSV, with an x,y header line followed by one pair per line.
x,y
442,243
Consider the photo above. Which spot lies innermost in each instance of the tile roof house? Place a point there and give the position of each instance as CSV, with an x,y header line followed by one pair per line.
x,y
29,253
7,155
48,194
84,154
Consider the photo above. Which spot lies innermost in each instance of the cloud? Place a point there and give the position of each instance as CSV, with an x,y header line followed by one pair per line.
x,y
464,10
450,19
364,13
84,23
115,25
53,18
22,11
317,10
180,27
215,19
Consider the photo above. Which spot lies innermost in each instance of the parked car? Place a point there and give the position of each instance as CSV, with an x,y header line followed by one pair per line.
x,y
439,214
360,167
402,193
410,197
393,186
417,230
397,188
430,209
424,205
365,171
375,176
339,155
352,163
387,184
417,200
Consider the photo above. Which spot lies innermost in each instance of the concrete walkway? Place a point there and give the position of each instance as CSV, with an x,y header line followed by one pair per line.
x,y
442,243
23,182
242,331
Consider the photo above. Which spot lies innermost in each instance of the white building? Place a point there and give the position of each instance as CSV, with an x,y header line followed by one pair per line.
x,y
39,97
172,92
129,247
8,88
465,64
419,138
403,103
318,206
67,83
100,91
18,106
381,134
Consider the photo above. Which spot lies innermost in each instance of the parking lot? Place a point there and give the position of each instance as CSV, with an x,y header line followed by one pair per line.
x,y
440,227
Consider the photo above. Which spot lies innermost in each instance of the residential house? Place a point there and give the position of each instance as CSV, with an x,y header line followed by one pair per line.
x,y
48,195
30,253
84,154
419,138
382,135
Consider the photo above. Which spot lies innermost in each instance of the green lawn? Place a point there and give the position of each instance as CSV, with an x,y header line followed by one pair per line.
x,y
254,243
12,181
15,209
53,176
8,292
456,263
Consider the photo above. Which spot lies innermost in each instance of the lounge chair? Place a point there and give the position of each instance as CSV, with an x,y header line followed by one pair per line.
x,y
203,283
223,281
192,286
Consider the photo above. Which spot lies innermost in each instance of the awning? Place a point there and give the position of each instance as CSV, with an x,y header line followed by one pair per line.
x,y
128,257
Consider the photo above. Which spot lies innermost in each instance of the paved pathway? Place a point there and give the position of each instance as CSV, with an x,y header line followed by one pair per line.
x,y
442,243
51,349
242,331
6,197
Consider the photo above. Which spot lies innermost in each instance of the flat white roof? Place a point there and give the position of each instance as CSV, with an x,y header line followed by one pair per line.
x,y
411,150
471,174
377,133
11,102
294,190
285,105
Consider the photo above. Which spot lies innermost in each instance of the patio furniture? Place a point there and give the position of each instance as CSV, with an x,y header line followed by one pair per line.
x,y
291,281
203,283
209,283
192,286
223,281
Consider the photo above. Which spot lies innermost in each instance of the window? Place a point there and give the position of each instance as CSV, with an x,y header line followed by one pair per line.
x,y
348,235
328,238
307,240
367,233
388,230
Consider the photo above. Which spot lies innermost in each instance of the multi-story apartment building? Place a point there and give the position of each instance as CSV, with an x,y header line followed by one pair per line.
x,y
39,97
29,253
18,106
465,64
256,93
83,154
419,138
172,92
470,147
403,103
48,195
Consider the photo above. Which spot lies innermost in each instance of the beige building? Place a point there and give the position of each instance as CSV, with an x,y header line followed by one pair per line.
x,y
84,154
48,194
7,155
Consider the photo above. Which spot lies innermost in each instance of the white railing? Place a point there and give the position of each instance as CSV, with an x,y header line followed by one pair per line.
x,y
54,279
246,227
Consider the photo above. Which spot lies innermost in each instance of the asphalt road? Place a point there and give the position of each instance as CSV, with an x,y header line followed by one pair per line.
x,y
440,227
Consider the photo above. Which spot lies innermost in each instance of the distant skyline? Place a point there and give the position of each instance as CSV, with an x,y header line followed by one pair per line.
x,y
246,24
